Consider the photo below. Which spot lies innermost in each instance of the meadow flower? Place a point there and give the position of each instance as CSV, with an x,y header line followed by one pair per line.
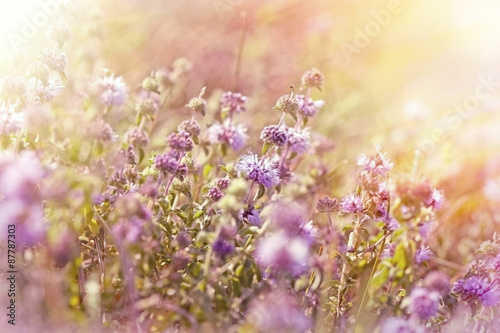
x,y
423,254
102,131
45,92
167,163
264,172
222,183
54,59
437,281
401,325
137,137
274,135
423,303
391,223
11,121
233,102
198,104
310,107
312,79
180,141
215,194
351,203
227,133
437,199
299,139
113,91
327,205
475,288
190,126
377,164
38,70
59,33
287,104
223,246
151,84
284,253
251,215
128,231
288,216
13,88
277,312
148,103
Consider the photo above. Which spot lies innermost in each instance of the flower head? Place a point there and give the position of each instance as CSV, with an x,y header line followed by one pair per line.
x,y
251,215
274,135
423,303
312,79
423,254
137,137
263,171
167,163
437,199
113,90
11,121
310,107
54,59
228,133
475,288
148,103
190,126
351,203
327,205
180,141
233,102
377,164
299,139
59,33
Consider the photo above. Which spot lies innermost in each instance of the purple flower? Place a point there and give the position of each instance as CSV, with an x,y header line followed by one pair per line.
x,y
401,325
222,246
251,215
137,137
423,303
222,183
391,223
377,164
148,103
274,135
437,199
475,288
299,139
192,127
167,163
264,172
312,78
327,205
11,121
113,90
233,102
277,312
179,141
288,216
284,253
351,204
55,60
228,133
128,231
215,194
437,281
423,254
311,108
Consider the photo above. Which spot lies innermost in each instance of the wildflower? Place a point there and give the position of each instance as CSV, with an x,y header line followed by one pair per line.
x,y
38,70
113,90
190,126
222,246
423,254
137,138
215,194
475,288
310,108
277,312
149,103
264,172
47,91
424,228
437,199
288,104
377,164
128,231
55,60
167,163
284,253
437,281
391,224
351,204
274,135
299,140
222,183
327,205
151,84
288,216
198,104
183,186
423,303
233,102
401,325
11,121
251,215
103,131
227,133
59,33
13,88
489,248
180,141
312,79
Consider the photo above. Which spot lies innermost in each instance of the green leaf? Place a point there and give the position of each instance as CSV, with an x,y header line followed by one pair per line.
x,y
94,226
198,214
400,258
266,147
139,119
380,277
141,155
260,192
207,168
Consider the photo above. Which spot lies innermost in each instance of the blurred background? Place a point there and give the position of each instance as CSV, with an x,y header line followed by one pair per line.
x,y
420,78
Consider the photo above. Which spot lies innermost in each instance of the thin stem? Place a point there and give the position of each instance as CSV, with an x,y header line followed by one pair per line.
x,y
240,52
